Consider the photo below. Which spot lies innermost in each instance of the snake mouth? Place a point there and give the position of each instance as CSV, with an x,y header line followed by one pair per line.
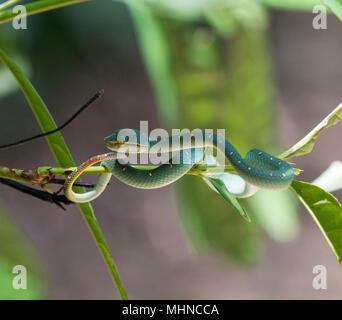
x,y
117,144
114,145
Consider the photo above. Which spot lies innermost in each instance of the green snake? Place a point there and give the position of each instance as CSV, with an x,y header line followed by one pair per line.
x,y
257,168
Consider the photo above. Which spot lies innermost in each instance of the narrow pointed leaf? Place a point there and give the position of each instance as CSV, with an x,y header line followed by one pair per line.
x,y
221,188
325,210
306,145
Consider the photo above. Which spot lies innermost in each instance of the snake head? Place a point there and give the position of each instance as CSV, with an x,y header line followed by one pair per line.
x,y
128,140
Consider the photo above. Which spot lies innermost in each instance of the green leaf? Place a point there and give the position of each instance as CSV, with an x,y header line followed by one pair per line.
x,y
306,145
335,6
222,189
325,210
64,159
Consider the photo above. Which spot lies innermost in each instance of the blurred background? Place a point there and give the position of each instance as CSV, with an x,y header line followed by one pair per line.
x,y
266,76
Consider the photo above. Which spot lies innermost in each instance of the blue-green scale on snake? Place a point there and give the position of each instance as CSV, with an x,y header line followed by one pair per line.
x,y
257,168
156,178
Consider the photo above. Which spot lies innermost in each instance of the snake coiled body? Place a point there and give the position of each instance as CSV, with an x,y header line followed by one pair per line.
x,y
258,167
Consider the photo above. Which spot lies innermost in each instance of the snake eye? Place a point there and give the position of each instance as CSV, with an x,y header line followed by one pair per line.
x,y
126,139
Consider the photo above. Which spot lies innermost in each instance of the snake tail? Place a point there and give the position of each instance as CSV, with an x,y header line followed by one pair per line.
x,y
102,181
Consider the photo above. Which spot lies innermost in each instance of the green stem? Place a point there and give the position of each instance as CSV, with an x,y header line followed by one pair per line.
x,y
8,3
14,174
38,7
196,170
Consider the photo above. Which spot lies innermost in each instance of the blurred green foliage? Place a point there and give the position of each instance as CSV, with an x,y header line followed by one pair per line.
x,y
210,68
222,80
209,65
14,250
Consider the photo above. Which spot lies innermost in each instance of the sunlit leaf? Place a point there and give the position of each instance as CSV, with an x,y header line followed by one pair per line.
x,y
306,144
325,210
